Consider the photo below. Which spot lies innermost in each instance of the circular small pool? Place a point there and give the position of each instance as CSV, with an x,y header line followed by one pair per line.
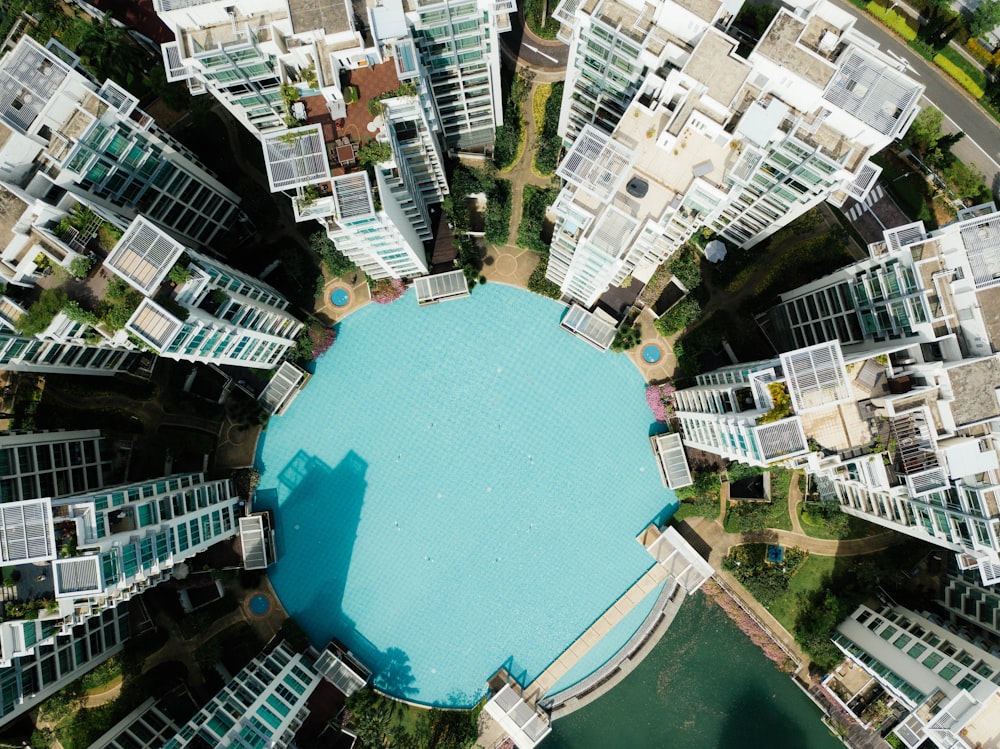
x,y
652,353
259,604
340,297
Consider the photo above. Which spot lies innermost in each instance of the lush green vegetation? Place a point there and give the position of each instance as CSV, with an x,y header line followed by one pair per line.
x,y
80,266
539,284
39,315
409,88
628,336
836,592
700,499
764,580
548,144
102,676
827,521
335,261
509,139
498,209
383,723
678,317
538,16
534,204
686,266
314,341
120,301
895,21
809,578
742,517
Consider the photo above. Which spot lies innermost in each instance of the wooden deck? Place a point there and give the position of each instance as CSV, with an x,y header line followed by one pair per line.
x,y
572,655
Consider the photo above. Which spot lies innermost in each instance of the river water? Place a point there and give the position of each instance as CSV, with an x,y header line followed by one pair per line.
x,y
704,686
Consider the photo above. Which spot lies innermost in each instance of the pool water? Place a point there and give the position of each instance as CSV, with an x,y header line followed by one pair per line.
x,y
259,604
459,488
340,297
652,353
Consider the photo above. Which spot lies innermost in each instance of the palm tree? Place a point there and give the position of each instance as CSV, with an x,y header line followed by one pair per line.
x,y
109,52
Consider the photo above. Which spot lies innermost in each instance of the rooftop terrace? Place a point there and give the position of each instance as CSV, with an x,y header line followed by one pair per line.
x,y
332,16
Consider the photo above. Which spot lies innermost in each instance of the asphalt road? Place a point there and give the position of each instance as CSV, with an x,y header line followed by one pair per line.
x,y
981,145
537,54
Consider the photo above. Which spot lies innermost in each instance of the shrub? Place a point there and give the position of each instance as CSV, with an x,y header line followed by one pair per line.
x,y
314,341
120,301
549,144
498,209
39,315
660,399
678,317
539,284
536,201
507,141
180,274
351,94
80,266
686,266
892,19
388,290
959,75
627,336
335,261
782,404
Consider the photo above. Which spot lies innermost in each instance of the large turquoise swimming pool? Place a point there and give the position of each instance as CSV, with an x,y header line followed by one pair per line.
x,y
458,489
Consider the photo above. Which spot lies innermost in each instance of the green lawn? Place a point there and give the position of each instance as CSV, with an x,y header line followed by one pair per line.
x,y
697,510
839,527
811,576
775,514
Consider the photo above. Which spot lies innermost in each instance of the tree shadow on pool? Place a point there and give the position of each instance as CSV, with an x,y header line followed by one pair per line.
x,y
315,490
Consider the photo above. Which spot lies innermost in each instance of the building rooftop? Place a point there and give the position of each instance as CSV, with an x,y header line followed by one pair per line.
x,y
26,533
296,157
974,384
712,63
153,324
144,256
29,78
779,45
871,91
597,163
332,16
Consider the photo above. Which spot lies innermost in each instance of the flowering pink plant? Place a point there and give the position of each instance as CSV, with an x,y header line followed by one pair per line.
x,y
321,339
660,399
388,290
749,626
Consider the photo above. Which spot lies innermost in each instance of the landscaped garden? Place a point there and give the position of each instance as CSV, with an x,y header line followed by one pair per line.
x,y
827,521
744,516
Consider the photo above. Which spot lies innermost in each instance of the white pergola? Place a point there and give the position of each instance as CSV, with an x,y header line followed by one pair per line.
x,y
671,460
515,716
441,287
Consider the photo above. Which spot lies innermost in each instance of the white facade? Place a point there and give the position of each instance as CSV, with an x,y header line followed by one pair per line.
x,y
739,147
948,684
108,547
615,44
217,315
58,658
263,705
60,131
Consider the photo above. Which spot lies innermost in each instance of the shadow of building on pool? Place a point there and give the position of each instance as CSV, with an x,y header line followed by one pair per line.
x,y
316,490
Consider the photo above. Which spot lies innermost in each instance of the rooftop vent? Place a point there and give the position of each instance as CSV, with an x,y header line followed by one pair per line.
x,y
637,187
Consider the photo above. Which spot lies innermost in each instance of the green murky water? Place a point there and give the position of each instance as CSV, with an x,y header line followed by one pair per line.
x,y
704,686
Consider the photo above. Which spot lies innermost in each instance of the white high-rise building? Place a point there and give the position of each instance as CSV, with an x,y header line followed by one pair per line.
x,y
947,683
58,658
66,139
615,44
244,52
213,313
97,550
264,705
902,429
739,147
